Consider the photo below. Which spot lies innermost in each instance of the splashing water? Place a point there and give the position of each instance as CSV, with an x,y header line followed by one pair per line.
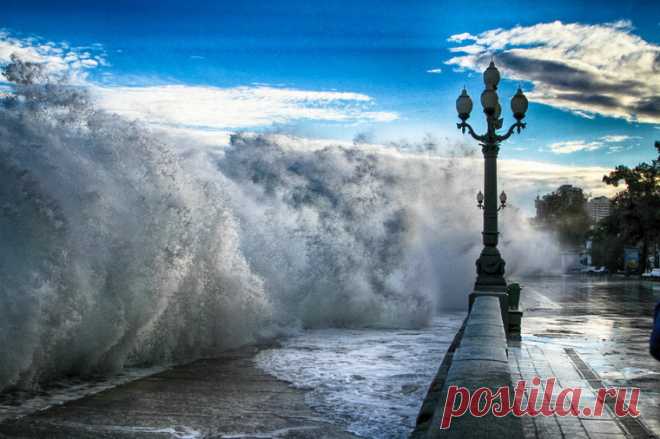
x,y
370,381
123,247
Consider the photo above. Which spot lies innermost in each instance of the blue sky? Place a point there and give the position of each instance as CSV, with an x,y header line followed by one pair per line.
x,y
396,68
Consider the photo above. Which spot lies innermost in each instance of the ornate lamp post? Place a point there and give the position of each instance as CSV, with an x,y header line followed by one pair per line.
x,y
490,265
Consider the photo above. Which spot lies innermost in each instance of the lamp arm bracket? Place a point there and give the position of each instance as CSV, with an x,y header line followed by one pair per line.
x,y
463,125
516,126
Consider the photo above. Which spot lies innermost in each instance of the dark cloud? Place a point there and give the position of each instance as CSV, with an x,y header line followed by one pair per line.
x,y
649,107
591,99
588,69
564,77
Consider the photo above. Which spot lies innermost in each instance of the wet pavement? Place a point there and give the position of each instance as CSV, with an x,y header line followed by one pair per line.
x,y
226,397
590,332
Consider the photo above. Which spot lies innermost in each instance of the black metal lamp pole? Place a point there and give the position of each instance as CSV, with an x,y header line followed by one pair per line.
x,y
490,265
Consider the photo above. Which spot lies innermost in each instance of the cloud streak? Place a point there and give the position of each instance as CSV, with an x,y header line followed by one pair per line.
x,y
618,138
599,69
204,112
571,146
528,177
213,108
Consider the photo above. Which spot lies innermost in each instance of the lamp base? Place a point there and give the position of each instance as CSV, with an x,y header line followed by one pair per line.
x,y
490,271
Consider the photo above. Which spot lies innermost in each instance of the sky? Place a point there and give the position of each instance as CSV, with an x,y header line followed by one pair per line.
x,y
379,70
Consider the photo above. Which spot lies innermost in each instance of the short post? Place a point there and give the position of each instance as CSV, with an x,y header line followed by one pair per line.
x,y
515,313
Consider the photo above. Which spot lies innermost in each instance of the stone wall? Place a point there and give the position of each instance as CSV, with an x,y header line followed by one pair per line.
x,y
476,358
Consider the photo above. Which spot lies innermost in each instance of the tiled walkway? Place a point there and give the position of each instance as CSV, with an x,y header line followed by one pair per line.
x,y
529,361
589,334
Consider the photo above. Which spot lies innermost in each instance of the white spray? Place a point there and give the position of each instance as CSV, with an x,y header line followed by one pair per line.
x,y
120,247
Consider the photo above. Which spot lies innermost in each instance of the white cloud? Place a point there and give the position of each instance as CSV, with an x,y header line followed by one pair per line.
x,y
571,146
618,138
584,114
617,148
589,69
436,71
214,108
376,116
461,37
545,177
89,63
210,112
471,48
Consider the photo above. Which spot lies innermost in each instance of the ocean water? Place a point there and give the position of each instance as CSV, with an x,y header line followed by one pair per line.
x,y
370,381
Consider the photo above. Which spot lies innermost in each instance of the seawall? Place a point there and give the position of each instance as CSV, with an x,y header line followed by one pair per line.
x,y
477,357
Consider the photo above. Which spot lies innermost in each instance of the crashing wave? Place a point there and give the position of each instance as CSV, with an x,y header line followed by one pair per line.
x,y
120,246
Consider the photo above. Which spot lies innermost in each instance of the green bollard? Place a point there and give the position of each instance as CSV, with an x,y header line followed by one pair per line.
x,y
513,291
515,315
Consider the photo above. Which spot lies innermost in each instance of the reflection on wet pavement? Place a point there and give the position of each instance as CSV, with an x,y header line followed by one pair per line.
x,y
608,324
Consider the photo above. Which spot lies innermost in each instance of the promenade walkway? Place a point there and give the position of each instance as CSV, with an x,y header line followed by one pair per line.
x,y
586,333
589,333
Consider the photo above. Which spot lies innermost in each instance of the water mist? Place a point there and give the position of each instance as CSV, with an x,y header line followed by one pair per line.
x,y
120,246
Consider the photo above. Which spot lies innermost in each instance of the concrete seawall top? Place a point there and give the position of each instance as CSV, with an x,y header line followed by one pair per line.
x,y
477,358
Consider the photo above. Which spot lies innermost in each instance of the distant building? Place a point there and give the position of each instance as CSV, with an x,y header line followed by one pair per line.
x,y
540,208
599,208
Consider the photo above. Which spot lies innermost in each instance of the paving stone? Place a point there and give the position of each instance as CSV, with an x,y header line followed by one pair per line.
x,y
556,363
602,427
529,429
547,428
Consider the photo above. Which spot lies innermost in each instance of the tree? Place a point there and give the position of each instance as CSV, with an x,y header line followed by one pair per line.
x,y
564,211
637,208
607,243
